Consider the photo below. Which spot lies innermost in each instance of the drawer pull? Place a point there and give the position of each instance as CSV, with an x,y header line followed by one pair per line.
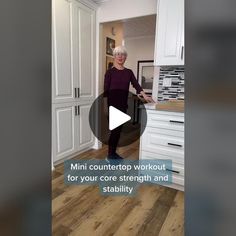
x,y
76,112
75,93
182,52
174,144
175,171
176,121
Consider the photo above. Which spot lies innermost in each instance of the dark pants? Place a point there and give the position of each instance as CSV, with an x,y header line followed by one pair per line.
x,y
113,140
115,136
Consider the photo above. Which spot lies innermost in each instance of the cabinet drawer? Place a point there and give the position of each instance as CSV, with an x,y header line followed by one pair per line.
x,y
162,144
176,179
165,120
168,132
178,162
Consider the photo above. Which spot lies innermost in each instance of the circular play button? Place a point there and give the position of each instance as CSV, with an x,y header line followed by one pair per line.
x,y
109,119
117,118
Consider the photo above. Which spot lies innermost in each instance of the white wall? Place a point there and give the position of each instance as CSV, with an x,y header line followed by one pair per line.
x,y
113,10
139,48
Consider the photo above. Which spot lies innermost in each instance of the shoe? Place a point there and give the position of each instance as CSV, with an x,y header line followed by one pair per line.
x,y
114,159
110,158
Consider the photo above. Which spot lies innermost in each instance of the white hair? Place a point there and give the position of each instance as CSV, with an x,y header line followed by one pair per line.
x,y
120,49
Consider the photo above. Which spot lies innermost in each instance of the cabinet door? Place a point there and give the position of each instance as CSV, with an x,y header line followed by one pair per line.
x,y
84,50
86,137
63,87
169,48
64,126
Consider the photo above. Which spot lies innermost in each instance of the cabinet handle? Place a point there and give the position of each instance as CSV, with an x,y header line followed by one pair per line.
x,y
76,112
182,52
177,121
174,144
75,93
78,92
175,171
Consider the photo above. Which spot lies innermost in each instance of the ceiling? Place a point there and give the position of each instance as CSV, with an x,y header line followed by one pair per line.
x,y
137,27
141,26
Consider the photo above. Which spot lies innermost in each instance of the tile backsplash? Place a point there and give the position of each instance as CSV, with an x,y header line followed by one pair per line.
x,y
171,83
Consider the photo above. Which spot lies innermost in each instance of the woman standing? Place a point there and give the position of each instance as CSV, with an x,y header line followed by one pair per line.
x,y
116,89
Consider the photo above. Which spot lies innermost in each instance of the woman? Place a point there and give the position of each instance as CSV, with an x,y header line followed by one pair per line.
x,y
116,89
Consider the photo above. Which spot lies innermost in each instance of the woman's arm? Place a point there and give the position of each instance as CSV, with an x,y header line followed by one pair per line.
x,y
146,97
139,89
107,81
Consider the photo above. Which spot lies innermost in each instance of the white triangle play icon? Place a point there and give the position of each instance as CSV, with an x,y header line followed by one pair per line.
x,y
116,118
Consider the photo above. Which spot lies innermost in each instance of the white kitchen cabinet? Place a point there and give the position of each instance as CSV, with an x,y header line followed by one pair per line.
x,y
73,51
163,139
86,69
63,82
86,137
73,76
169,42
64,130
71,130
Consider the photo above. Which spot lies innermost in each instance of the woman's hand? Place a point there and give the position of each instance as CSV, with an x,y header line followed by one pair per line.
x,y
147,98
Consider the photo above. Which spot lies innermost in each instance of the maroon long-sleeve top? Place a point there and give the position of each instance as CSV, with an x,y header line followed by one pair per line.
x,y
116,86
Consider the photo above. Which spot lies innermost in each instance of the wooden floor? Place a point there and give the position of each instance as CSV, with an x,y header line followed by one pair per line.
x,y
82,211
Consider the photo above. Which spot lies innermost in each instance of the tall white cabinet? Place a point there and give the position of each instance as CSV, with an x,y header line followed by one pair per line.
x,y
169,43
73,76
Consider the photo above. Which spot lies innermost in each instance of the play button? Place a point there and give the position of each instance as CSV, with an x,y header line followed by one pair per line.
x,y
117,118
104,119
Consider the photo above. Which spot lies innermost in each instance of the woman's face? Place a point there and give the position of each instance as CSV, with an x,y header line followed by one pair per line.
x,y
120,58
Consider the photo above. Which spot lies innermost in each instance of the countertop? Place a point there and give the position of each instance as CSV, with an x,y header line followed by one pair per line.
x,y
172,105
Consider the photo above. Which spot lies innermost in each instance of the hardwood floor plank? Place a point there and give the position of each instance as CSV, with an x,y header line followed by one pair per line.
x,y
157,215
62,231
55,174
134,221
107,218
173,225
56,192
72,194
74,209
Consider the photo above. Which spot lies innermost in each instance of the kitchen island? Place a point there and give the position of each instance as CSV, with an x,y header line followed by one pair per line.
x,y
163,138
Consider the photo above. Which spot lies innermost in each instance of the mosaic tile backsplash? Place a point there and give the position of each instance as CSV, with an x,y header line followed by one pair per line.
x,y
171,83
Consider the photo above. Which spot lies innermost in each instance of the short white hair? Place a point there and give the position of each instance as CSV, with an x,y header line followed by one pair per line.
x,y
120,49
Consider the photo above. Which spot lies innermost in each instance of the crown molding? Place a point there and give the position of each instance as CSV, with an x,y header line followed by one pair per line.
x,y
89,3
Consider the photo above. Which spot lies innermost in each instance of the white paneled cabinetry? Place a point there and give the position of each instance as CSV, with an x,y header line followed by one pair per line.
x,y
169,43
73,74
163,139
